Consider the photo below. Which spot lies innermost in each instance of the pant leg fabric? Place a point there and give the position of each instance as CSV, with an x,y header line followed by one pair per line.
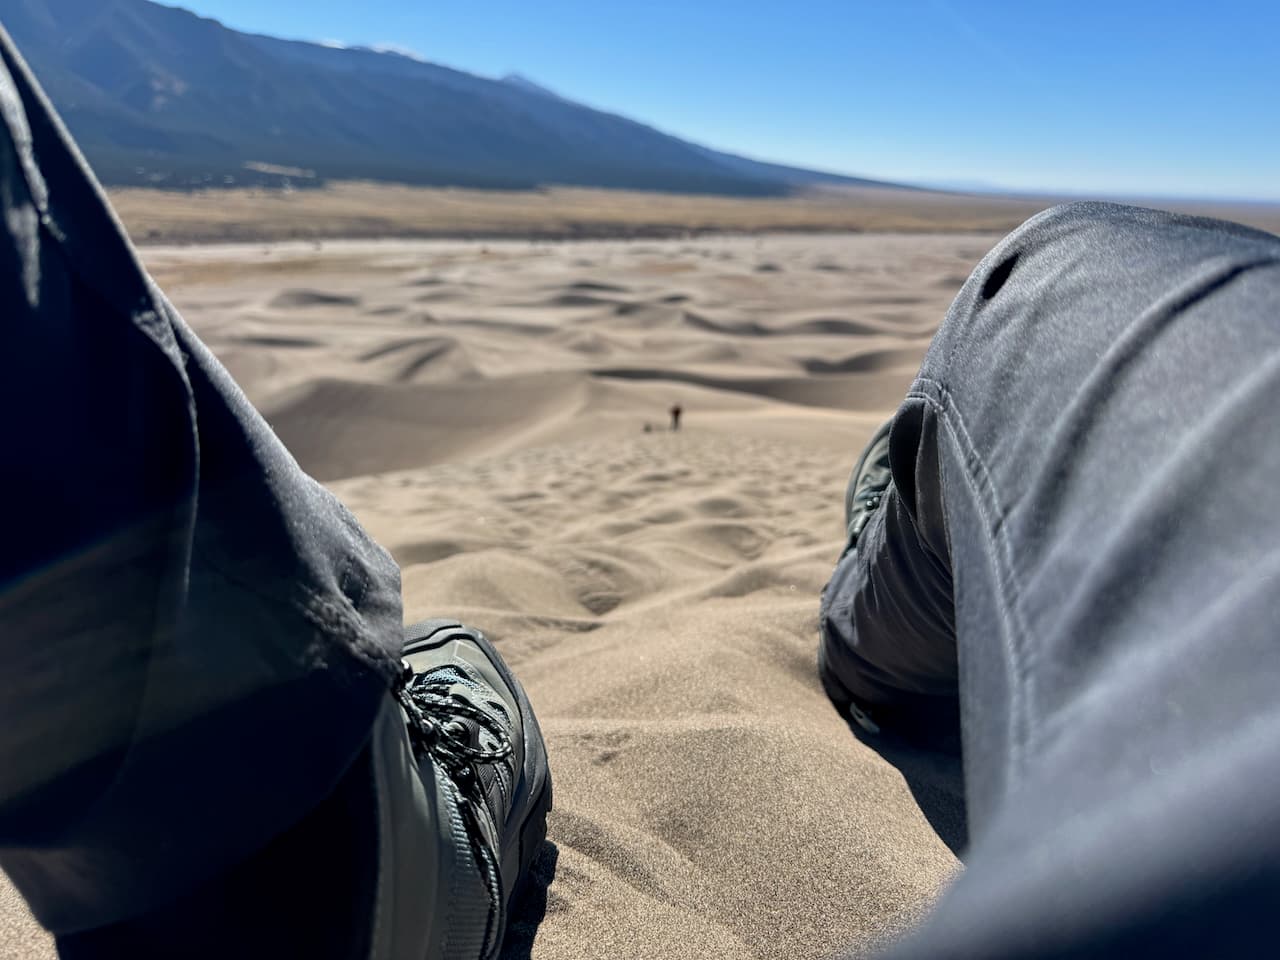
x,y
195,637
1090,455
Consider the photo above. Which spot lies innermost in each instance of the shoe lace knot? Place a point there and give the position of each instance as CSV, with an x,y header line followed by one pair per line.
x,y
436,721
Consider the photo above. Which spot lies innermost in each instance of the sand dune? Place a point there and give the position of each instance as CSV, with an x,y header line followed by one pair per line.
x,y
656,591
851,392
658,595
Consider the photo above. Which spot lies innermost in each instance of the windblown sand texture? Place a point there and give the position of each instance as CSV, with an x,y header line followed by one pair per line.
x,y
482,409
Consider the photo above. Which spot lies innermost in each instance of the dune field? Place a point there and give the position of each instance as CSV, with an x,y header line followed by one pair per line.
x,y
497,415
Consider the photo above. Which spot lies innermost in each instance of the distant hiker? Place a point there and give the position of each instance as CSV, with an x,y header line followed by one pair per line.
x,y
675,417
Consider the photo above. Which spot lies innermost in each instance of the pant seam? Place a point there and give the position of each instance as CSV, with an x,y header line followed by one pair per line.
x,y
1008,588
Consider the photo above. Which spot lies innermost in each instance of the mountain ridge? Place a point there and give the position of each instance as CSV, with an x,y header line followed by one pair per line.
x,y
160,96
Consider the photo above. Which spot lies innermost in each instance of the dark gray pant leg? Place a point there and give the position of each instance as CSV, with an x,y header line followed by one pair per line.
x,y
887,621
194,636
1103,397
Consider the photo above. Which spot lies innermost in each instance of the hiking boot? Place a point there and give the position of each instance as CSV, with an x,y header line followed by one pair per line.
x,y
417,852
470,720
870,478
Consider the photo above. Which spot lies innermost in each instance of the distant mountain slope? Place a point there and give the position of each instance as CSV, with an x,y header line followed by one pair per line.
x,y
158,95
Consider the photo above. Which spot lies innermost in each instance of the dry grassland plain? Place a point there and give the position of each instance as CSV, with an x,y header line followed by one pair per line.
x,y
354,210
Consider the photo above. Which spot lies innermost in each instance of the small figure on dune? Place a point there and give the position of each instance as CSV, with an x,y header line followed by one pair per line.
x,y
675,416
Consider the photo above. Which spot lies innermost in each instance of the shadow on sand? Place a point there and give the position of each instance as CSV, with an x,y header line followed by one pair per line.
x,y
530,905
935,777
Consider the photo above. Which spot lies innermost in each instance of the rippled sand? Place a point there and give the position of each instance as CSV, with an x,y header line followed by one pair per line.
x,y
496,414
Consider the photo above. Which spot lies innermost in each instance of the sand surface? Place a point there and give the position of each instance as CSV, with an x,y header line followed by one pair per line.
x,y
482,409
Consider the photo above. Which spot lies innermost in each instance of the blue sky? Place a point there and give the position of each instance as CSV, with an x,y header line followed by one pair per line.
x,y
1127,97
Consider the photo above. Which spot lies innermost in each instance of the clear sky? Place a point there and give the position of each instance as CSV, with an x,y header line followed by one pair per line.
x,y
1131,97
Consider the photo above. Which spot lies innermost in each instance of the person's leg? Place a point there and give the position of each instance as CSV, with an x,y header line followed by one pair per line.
x,y
167,571
1089,453
418,852
198,643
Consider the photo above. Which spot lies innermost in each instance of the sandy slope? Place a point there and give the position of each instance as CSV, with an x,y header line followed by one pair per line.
x,y
482,409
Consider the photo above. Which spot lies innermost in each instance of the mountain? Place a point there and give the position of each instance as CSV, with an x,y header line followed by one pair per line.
x,y
522,82
158,95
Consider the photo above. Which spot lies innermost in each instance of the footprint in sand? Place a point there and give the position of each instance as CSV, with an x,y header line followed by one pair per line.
x,y
302,298
723,507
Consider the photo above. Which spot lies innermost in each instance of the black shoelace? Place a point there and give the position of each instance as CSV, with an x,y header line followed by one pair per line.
x,y
435,729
